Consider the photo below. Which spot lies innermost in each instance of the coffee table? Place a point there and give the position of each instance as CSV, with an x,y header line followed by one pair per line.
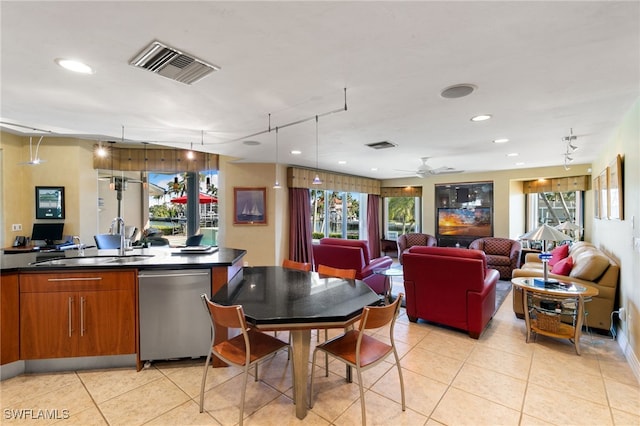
x,y
388,273
549,302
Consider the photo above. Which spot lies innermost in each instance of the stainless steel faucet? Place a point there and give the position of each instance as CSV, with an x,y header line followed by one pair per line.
x,y
76,239
119,222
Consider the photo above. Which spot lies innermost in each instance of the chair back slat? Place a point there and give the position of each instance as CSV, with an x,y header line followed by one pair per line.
x,y
379,316
292,264
225,316
348,274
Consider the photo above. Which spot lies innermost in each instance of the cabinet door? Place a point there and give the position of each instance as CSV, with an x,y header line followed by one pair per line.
x,y
9,319
48,322
107,323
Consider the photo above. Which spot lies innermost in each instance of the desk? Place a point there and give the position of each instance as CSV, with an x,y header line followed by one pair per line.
x,y
554,300
275,298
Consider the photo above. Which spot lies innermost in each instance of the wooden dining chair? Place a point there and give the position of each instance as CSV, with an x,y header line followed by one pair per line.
x,y
362,351
244,350
300,266
348,274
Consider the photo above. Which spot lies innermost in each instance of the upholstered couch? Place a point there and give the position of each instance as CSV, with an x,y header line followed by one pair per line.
x,y
588,265
352,254
450,286
406,241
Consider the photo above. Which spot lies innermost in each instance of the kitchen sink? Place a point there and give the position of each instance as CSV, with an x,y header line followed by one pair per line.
x,y
91,260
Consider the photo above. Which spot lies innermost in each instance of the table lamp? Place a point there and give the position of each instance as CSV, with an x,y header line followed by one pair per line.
x,y
545,233
568,226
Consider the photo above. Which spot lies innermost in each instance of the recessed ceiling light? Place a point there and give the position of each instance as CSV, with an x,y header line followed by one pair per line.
x,y
342,162
503,140
481,117
251,143
520,163
75,66
512,154
296,152
374,169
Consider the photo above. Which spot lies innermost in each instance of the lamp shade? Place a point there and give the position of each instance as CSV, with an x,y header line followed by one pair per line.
x,y
567,226
544,233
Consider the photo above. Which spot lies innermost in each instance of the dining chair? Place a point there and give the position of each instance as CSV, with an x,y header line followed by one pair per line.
x,y
348,274
300,266
362,351
245,350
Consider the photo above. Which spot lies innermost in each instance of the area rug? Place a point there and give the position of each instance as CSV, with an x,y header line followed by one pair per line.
x,y
502,290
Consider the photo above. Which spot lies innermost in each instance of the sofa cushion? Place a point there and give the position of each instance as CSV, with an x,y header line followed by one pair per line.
x,y
452,251
498,260
589,265
559,253
563,267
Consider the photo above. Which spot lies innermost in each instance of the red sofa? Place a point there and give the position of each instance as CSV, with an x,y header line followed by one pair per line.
x,y
352,254
450,286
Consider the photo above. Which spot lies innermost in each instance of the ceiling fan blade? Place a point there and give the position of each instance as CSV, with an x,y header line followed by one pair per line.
x,y
445,171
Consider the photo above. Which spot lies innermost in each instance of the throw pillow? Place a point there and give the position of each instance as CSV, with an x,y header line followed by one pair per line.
x,y
563,267
559,253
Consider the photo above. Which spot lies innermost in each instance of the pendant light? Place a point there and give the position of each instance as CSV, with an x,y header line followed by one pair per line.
x,y
277,184
316,179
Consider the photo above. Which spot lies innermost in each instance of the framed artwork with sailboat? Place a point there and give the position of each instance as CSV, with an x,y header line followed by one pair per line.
x,y
250,206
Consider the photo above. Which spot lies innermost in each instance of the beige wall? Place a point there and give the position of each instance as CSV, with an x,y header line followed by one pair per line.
x,y
265,244
508,198
616,236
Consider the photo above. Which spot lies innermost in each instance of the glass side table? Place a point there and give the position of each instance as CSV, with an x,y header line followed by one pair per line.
x,y
548,303
388,274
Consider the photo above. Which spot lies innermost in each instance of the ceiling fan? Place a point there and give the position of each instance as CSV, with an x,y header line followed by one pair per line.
x,y
426,170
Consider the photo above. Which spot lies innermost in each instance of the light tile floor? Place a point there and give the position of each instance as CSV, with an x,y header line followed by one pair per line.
x,y
450,379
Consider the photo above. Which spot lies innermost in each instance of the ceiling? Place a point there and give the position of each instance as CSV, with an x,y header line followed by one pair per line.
x,y
539,68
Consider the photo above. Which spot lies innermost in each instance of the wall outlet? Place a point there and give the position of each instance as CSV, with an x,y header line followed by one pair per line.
x,y
16,227
622,314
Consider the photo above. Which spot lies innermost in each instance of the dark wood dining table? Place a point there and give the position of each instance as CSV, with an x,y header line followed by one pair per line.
x,y
276,298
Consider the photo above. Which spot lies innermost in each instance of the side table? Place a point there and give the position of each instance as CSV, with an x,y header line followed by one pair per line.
x,y
547,303
388,274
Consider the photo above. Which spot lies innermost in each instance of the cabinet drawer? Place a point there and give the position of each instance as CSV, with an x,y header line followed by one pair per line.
x,y
77,281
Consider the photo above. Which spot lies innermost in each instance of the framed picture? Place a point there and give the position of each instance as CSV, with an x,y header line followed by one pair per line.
x,y
596,197
49,202
250,206
616,208
604,194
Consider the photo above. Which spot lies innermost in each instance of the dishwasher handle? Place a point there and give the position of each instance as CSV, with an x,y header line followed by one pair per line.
x,y
173,275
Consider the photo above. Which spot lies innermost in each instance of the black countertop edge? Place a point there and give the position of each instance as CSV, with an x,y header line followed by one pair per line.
x,y
160,258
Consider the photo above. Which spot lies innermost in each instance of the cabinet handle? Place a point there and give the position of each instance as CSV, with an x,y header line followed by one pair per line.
x,y
75,279
82,302
70,307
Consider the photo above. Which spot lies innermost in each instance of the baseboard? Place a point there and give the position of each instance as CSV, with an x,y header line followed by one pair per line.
x,y
630,356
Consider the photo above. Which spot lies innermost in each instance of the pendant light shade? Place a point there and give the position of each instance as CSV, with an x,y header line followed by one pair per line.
x,y
316,179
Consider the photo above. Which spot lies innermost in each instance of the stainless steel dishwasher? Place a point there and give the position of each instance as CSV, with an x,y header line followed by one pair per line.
x,y
173,322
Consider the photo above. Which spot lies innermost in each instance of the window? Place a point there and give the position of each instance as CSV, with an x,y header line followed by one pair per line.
x,y
338,214
554,208
401,216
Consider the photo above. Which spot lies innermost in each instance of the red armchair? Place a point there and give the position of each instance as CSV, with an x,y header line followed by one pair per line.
x,y
406,241
502,254
450,286
352,254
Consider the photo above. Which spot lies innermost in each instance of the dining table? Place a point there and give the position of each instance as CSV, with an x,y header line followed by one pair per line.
x,y
276,298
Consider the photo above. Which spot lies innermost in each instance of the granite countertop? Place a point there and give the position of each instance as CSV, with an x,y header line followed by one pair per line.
x,y
148,258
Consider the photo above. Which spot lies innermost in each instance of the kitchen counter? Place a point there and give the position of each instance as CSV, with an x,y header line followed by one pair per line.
x,y
158,258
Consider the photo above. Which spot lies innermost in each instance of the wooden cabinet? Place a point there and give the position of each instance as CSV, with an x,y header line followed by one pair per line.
x,y
9,319
75,314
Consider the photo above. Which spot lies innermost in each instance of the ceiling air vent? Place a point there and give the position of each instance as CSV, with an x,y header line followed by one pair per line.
x,y
381,145
172,63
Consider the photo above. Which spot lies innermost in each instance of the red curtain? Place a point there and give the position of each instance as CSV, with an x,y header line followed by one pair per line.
x,y
300,236
373,224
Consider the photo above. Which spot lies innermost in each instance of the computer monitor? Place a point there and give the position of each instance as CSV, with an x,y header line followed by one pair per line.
x,y
47,232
